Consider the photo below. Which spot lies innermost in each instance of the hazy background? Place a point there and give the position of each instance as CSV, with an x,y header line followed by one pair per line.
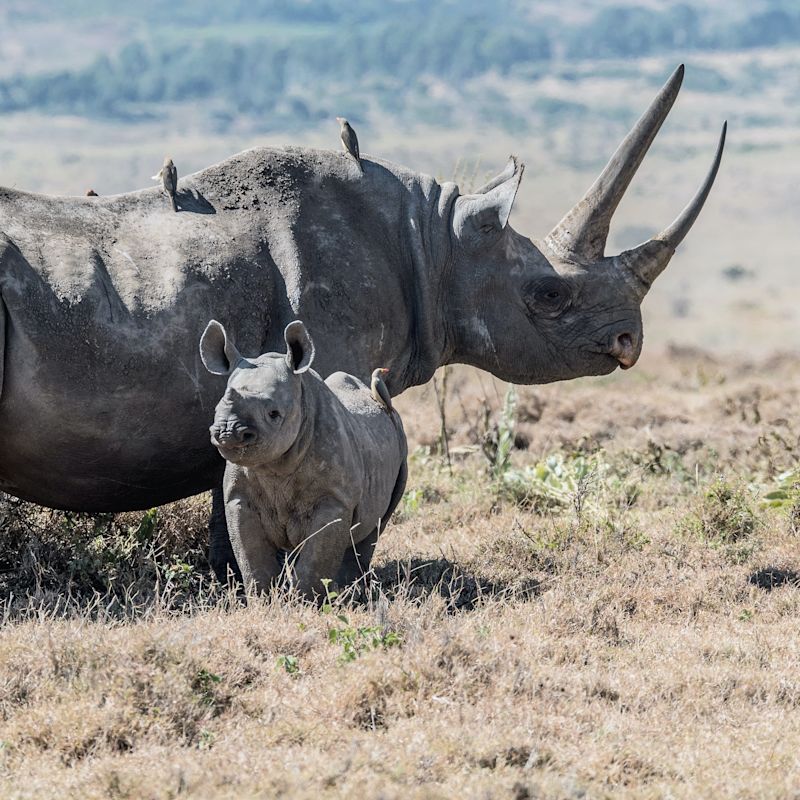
x,y
94,95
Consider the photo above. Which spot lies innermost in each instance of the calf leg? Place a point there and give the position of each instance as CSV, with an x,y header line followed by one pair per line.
x,y
320,555
254,550
357,558
220,552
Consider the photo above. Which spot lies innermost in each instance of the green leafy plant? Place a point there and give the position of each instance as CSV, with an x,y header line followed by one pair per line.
x,y
290,664
558,481
786,496
354,639
179,573
786,492
204,683
498,441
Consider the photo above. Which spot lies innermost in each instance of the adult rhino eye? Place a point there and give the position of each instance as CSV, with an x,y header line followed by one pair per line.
x,y
548,297
274,414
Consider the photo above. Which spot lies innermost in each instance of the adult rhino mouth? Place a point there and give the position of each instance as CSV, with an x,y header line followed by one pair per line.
x,y
626,362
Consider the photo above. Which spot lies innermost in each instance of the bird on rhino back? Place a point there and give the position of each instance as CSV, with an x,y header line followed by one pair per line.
x,y
314,468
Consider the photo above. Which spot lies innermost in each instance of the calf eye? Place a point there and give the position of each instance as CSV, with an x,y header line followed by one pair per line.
x,y
274,414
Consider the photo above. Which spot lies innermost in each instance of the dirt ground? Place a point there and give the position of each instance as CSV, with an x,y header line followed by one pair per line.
x,y
600,597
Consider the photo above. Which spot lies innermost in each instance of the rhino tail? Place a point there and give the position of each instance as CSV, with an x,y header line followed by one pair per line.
x,y
397,494
5,245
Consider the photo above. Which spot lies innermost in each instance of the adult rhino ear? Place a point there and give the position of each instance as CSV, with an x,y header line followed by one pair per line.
x,y
217,350
479,218
299,347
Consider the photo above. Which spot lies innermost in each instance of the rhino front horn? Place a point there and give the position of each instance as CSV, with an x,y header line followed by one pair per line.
x,y
583,231
582,234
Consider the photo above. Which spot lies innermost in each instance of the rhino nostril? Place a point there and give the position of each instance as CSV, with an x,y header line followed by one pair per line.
x,y
623,348
248,436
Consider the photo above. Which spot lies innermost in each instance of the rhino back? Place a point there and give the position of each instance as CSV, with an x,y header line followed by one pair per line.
x,y
105,399
356,250
106,404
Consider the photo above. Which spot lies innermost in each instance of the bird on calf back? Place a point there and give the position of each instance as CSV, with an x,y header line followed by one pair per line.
x,y
380,392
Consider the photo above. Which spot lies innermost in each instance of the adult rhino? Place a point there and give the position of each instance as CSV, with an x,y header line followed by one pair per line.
x,y
104,402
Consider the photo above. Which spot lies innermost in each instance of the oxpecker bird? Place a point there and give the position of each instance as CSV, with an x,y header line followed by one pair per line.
x,y
350,141
379,391
91,193
169,180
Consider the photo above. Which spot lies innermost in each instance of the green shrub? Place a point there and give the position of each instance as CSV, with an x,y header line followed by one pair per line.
x,y
724,515
354,639
557,482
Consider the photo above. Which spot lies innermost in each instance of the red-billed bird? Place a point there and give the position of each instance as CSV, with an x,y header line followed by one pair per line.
x,y
379,391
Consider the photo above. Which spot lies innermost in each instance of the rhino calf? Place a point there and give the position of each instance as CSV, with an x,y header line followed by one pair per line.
x,y
315,468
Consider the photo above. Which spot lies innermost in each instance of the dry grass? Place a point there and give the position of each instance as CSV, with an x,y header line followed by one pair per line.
x,y
631,632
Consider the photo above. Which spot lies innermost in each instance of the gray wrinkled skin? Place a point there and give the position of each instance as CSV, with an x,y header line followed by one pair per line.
x,y
105,404
315,468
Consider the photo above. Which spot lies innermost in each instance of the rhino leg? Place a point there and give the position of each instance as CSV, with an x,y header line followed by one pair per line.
x,y
357,558
220,552
2,343
253,548
321,555
355,563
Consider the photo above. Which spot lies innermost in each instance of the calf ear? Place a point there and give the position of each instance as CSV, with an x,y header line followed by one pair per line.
x,y
299,347
479,218
217,350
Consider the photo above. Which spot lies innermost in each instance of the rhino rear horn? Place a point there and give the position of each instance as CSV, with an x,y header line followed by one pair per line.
x,y
476,217
217,350
299,347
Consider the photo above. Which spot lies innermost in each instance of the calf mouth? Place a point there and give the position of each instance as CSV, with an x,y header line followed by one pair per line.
x,y
241,456
232,451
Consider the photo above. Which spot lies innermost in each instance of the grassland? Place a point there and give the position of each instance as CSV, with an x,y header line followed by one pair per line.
x,y
595,600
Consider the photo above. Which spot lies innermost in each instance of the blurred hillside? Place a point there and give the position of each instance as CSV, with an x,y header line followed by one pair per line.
x,y
295,63
94,94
